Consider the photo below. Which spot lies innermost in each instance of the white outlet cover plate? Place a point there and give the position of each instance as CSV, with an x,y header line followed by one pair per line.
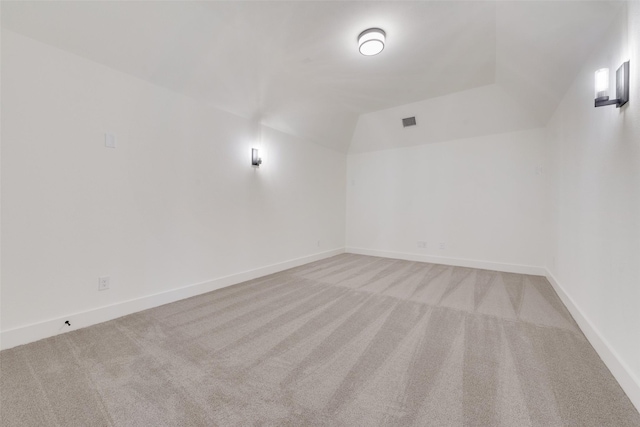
x,y
103,283
109,140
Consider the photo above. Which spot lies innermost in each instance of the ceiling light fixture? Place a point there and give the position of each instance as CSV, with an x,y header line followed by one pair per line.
x,y
371,41
622,87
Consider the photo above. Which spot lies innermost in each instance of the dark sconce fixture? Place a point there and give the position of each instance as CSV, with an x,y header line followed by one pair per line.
x,y
622,87
255,160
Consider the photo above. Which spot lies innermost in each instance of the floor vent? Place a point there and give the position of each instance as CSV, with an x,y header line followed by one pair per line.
x,y
409,121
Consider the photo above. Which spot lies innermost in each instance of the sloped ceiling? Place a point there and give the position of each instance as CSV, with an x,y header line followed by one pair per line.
x,y
481,111
295,66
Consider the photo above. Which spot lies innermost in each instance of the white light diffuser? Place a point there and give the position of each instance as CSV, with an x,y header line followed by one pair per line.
x,y
371,41
602,83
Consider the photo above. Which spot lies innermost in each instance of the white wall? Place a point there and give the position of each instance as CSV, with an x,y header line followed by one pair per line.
x,y
483,197
595,180
175,204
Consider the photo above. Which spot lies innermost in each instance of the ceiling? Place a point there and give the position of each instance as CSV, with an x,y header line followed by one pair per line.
x,y
295,66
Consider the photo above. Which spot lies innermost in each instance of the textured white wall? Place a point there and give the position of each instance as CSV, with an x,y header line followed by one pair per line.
x,y
483,197
176,203
595,182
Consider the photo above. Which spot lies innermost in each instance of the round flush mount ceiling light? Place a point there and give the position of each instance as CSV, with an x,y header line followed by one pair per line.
x,y
371,41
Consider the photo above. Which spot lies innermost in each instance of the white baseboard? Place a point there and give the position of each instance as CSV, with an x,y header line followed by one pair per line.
x,y
457,262
49,328
620,370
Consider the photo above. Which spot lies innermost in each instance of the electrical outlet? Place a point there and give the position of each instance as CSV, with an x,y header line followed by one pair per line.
x,y
109,140
422,245
443,245
318,243
103,283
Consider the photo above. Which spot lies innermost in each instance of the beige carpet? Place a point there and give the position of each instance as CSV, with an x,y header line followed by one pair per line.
x,y
350,340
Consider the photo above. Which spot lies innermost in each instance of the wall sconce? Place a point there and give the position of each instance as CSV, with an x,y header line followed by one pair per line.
x,y
622,87
255,160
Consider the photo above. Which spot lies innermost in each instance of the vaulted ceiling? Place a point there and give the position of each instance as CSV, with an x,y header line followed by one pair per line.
x,y
295,66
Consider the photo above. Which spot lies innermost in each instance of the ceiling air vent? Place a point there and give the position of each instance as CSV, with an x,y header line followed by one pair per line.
x,y
409,121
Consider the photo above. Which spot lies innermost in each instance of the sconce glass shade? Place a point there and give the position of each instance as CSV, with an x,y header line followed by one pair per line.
x,y
255,160
602,83
371,41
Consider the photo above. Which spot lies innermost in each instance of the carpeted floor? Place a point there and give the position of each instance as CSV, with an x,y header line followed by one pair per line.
x,y
347,341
